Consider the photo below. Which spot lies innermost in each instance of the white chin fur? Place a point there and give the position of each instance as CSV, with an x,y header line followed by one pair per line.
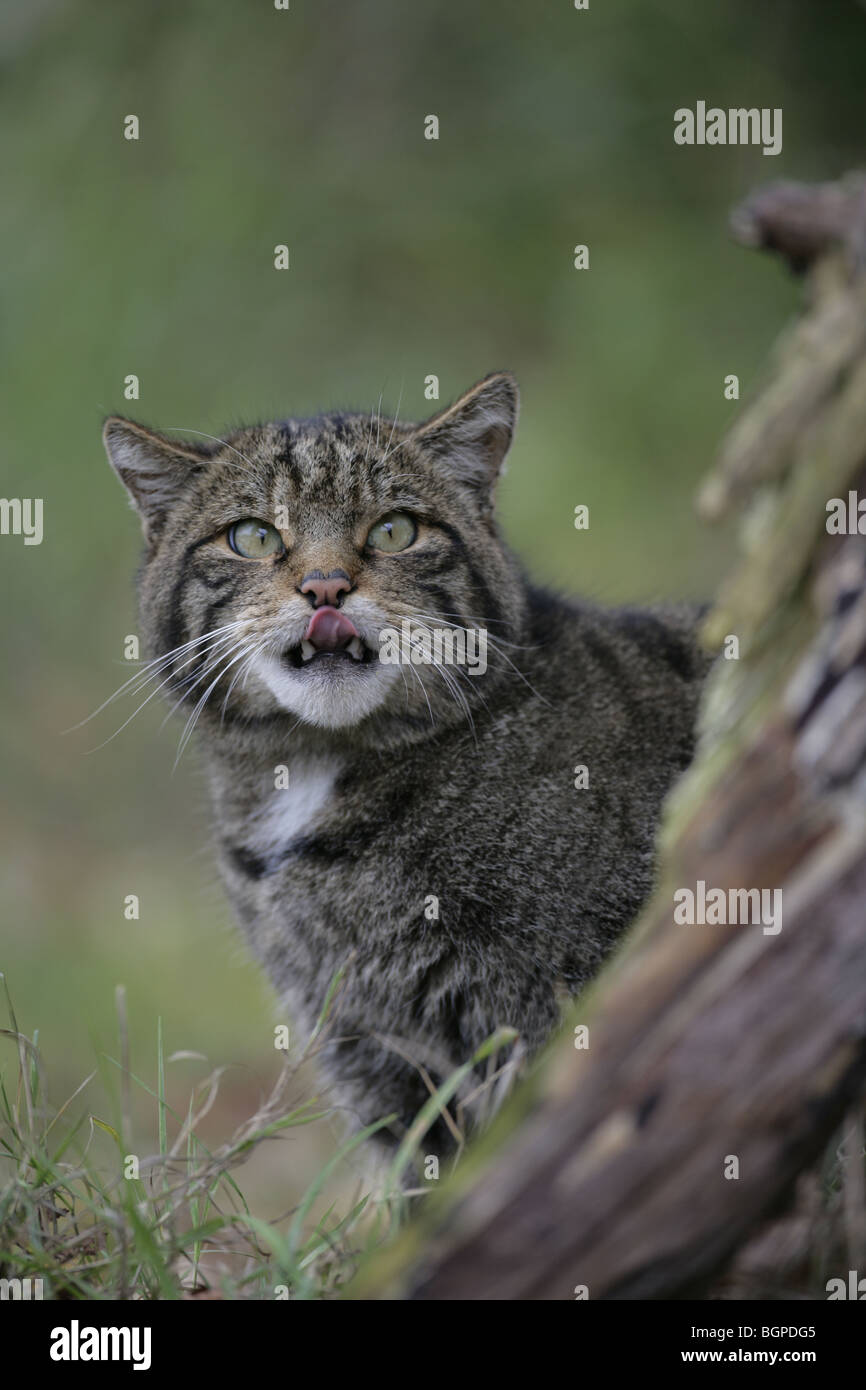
x,y
320,699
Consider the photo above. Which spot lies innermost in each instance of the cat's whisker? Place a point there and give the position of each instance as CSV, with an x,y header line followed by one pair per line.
x,y
248,671
493,643
180,429
135,713
498,622
473,685
189,727
203,655
403,502
456,693
212,657
243,670
437,619
485,623
369,438
148,698
388,449
149,671
405,684
451,684
424,692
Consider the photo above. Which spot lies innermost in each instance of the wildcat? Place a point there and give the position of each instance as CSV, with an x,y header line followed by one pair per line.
x,y
431,841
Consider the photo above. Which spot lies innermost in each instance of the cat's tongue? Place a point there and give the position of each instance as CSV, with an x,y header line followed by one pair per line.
x,y
329,630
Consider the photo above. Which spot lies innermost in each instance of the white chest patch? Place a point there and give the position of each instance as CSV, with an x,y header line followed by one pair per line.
x,y
294,810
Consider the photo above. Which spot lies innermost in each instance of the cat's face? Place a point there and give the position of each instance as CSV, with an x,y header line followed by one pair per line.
x,y
276,558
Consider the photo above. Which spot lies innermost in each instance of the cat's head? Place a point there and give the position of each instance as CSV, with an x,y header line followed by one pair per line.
x,y
276,558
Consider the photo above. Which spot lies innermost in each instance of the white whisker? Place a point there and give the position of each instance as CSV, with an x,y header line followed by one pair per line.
x,y
179,429
206,651
424,692
151,669
194,717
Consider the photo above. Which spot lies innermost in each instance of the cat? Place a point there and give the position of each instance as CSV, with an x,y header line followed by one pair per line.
x,y
424,829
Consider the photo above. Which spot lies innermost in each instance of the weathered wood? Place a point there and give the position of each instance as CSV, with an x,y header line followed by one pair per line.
x,y
709,1043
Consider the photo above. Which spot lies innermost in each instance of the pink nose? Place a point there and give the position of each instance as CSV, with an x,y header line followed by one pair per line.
x,y
326,588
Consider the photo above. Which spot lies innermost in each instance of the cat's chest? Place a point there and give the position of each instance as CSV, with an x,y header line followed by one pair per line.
x,y
295,809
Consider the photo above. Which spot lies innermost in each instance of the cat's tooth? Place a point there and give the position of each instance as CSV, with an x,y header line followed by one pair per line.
x,y
307,649
356,647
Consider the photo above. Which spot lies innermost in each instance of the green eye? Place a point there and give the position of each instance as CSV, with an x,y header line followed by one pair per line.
x,y
395,531
255,540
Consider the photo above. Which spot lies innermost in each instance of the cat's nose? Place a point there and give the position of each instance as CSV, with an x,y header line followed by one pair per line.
x,y
326,588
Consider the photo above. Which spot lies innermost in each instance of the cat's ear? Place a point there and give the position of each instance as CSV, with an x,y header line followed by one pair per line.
x,y
154,470
474,434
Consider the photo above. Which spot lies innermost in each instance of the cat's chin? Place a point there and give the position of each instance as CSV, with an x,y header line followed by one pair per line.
x,y
332,691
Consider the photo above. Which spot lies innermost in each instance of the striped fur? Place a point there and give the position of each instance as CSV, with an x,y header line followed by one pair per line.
x,y
431,840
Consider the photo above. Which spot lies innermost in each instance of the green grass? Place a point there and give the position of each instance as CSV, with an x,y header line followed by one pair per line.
x,y
93,1218
99,1220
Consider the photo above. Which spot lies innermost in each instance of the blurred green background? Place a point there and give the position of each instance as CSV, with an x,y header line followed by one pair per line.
x,y
408,257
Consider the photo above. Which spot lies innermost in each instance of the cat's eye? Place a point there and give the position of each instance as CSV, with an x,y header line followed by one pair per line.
x,y
255,540
396,531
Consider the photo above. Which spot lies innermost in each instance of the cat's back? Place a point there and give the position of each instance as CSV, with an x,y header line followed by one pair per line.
x,y
623,676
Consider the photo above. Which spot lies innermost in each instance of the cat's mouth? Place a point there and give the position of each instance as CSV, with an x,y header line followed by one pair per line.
x,y
330,638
